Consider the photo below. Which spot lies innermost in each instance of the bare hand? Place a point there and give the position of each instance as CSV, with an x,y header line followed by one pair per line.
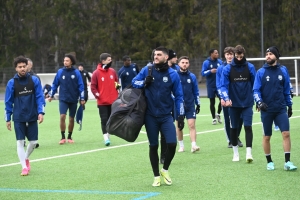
x,y
214,70
49,99
222,102
228,103
82,102
8,125
41,118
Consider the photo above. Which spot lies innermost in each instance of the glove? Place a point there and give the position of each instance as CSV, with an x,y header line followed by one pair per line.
x,y
262,106
292,94
198,109
117,85
290,111
180,121
148,80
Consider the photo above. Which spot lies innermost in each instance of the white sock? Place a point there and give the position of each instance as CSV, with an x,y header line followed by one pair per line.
x,y
21,152
181,143
30,148
164,170
194,144
235,150
105,136
249,150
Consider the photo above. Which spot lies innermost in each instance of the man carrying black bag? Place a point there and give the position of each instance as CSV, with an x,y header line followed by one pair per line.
x,y
158,117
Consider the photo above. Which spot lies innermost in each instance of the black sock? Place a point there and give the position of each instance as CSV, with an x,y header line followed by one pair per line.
x,y
249,135
63,135
70,135
287,156
269,159
154,159
233,136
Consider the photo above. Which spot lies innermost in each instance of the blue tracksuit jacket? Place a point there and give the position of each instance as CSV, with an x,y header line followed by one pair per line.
x,y
126,74
237,83
218,78
207,65
71,85
272,86
29,104
190,89
158,93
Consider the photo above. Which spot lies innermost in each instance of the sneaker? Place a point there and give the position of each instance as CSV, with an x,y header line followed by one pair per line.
x,y
276,128
36,145
24,172
181,149
240,144
270,166
27,164
289,166
219,118
70,141
195,148
214,121
236,158
166,177
62,141
107,142
156,182
249,158
229,145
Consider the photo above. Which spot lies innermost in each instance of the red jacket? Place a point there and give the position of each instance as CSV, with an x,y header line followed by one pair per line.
x,y
103,85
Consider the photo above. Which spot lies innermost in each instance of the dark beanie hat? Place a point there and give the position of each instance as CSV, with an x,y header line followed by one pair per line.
x,y
172,54
72,58
274,51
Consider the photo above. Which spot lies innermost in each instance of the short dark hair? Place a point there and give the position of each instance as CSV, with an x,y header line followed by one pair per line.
x,y
183,57
163,49
104,56
211,51
72,58
239,49
229,50
80,64
126,57
20,59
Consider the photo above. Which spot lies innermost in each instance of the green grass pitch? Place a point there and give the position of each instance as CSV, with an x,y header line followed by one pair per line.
x,y
89,170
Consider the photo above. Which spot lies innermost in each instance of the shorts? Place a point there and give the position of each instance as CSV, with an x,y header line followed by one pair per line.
x,y
190,113
280,118
236,114
26,129
64,106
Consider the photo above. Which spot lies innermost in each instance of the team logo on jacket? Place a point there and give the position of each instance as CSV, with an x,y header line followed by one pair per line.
x,y
127,73
211,66
165,79
111,77
134,69
268,78
63,77
84,74
189,80
280,77
72,76
102,79
218,64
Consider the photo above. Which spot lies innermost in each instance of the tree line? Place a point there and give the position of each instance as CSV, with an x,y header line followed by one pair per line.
x,y
46,30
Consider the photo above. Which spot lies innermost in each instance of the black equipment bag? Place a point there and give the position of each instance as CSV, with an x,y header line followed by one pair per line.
x,y
127,113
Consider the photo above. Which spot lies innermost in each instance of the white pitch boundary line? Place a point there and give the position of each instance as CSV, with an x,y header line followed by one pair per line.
x,y
113,147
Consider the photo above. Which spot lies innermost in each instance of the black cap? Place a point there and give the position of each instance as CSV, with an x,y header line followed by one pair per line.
x,y
274,51
172,54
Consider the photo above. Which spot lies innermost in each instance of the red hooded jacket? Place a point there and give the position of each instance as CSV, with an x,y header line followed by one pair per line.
x,y
103,85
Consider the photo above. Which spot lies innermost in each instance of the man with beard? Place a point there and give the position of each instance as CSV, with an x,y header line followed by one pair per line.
x,y
272,96
159,86
71,89
236,86
24,100
191,98
103,87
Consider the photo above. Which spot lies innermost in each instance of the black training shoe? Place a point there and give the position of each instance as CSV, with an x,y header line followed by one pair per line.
x,y
229,145
37,145
240,144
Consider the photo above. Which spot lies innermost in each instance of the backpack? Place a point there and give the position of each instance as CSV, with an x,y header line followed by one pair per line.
x,y
127,113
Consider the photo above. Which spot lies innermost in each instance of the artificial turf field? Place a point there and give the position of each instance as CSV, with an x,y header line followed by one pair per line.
x,y
89,170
